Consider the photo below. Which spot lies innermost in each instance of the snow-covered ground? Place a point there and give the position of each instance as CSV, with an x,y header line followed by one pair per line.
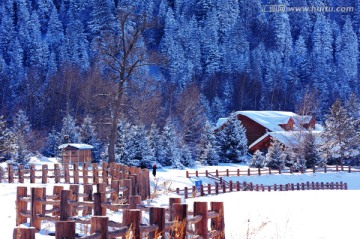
x,y
298,214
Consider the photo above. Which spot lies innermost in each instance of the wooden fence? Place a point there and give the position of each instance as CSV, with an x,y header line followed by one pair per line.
x,y
224,187
65,208
267,171
87,174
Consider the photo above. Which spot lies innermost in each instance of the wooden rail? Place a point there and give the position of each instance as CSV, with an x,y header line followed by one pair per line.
x,y
267,171
219,188
87,174
181,222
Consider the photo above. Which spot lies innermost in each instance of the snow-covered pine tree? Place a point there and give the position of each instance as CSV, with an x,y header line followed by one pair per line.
x,y
21,132
258,160
275,157
340,139
312,155
186,157
6,140
217,109
353,108
208,146
123,131
138,147
155,142
170,146
347,59
50,148
232,141
89,136
69,131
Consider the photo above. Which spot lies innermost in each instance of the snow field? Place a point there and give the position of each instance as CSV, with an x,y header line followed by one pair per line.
x,y
299,214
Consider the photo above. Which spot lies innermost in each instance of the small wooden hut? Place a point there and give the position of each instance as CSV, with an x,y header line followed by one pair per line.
x,y
75,153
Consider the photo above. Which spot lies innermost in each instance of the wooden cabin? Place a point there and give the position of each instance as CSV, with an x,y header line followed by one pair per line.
x,y
263,126
75,153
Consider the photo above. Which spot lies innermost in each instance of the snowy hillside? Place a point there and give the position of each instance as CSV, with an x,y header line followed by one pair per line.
x,y
299,214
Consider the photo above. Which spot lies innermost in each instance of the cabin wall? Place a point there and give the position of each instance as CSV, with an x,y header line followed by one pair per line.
x,y
253,129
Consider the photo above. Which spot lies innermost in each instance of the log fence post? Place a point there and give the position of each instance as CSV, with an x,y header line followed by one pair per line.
x,y
44,172
134,201
99,224
24,233
202,190
200,208
209,189
65,207
37,195
66,173
115,185
76,173
157,217
11,174
21,174
57,173
57,191
85,173
95,174
65,229
172,201
216,188
98,199
180,216
186,192
132,219
218,223
75,196
21,206
32,173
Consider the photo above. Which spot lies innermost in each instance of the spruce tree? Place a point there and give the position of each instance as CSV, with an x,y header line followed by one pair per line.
x,y
232,141
312,155
258,160
21,132
170,146
155,142
6,140
50,148
275,157
208,146
89,136
186,157
339,137
123,131
69,131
